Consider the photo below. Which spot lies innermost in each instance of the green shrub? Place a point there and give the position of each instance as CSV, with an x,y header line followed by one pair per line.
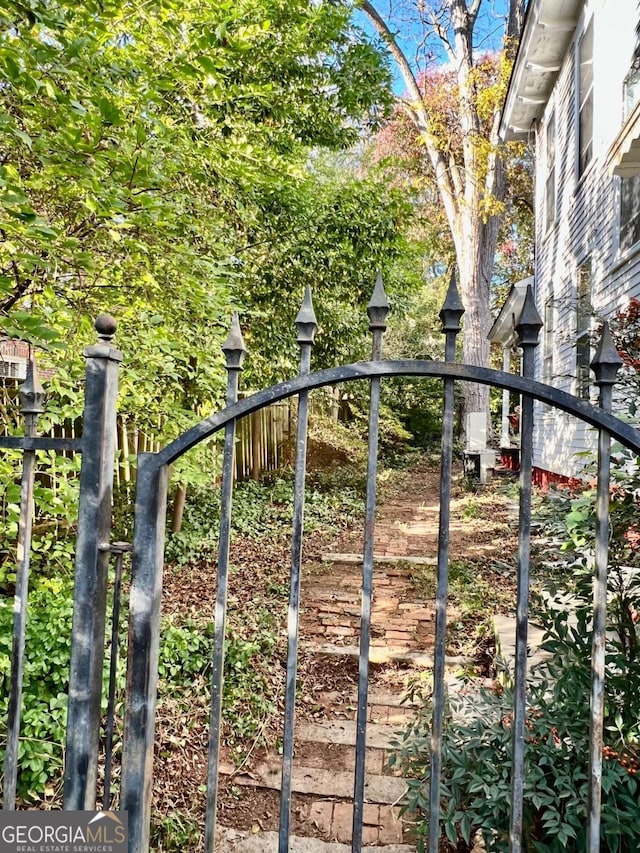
x,y
265,508
46,674
476,762
477,746
185,658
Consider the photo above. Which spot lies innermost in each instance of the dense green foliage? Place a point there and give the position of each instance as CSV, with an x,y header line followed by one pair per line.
x,y
476,782
157,163
262,514
168,162
477,749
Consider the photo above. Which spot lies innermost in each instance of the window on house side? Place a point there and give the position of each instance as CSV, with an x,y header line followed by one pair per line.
x,y
585,99
547,346
12,368
583,331
629,212
632,80
631,90
550,189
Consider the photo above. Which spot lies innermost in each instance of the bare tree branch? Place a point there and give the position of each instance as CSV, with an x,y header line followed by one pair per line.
x,y
441,32
416,111
394,49
474,8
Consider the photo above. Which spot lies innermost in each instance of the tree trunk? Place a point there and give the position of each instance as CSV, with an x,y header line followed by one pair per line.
x,y
465,187
475,266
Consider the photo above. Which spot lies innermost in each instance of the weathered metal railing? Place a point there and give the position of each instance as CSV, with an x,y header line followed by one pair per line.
x,y
148,559
31,405
92,555
94,551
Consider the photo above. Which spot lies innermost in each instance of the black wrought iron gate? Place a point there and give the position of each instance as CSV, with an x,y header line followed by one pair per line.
x,y
94,549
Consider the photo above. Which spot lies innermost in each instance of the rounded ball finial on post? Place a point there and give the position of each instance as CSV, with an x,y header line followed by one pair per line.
x,y
105,325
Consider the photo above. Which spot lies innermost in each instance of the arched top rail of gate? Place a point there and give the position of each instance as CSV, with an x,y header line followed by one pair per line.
x,y
623,432
527,325
148,560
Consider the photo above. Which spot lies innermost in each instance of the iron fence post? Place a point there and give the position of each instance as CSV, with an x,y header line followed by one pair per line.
x,y
143,648
377,311
450,315
306,326
605,365
31,396
91,569
528,331
235,351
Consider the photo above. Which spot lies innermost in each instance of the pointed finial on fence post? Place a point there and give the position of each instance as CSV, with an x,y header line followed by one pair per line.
x,y
378,306
377,311
528,330
31,393
234,351
529,322
450,316
306,325
606,362
234,348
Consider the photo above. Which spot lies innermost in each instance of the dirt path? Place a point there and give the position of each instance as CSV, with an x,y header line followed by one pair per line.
x,y
402,643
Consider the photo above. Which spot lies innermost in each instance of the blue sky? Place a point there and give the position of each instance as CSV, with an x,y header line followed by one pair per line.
x,y
488,34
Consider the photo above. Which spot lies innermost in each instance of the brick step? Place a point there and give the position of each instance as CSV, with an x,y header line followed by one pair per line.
x,y
384,559
376,697
383,790
379,735
233,841
387,654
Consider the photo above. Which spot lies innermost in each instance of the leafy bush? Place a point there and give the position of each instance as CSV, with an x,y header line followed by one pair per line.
x,y
263,509
46,673
477,745
476,761
185,657
55,499
184,663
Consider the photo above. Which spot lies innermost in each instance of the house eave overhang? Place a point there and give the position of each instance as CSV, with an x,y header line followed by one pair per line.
x,y
503,330
548,29
623,158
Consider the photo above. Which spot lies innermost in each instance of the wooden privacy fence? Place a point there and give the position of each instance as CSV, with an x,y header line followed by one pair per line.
x,y
262,441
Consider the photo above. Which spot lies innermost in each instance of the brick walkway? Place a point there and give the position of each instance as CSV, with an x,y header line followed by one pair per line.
x,y
402,639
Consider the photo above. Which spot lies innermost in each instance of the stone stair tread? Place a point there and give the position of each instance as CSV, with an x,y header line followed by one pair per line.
x,y
374,695
385,654
233,841
379,735
387,790
380,558
505,631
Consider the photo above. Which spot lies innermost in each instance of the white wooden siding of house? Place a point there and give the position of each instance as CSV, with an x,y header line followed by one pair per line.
x,y
586,223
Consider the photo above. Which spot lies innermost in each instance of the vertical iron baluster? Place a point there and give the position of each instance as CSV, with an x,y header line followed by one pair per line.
x,y
31,405
145,597
306,326
377,310
528,330
234,350
605,365
119,549
451,314
91,568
